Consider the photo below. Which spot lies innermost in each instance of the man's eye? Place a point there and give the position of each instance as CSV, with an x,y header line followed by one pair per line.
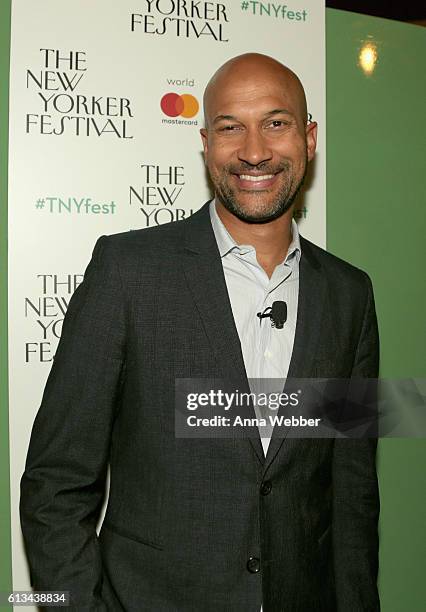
x,y
229,128
277,123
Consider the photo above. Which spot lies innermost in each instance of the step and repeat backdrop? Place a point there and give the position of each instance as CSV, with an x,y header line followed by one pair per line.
x,y
105,113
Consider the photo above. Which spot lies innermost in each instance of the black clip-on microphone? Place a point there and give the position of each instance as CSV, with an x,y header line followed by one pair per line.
x,y
277,313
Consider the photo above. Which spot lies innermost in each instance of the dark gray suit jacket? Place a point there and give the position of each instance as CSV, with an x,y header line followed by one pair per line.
x,y
185,516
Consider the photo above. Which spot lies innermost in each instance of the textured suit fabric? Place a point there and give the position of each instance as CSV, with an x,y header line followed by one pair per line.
x,y
185,515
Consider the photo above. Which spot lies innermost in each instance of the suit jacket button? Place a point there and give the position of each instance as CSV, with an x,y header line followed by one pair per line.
x,y
253,565
266,487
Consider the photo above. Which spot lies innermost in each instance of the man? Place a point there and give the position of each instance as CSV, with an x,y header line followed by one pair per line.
x,y
209,524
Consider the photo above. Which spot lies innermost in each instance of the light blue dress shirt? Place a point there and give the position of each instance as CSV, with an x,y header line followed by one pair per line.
x,y
266,350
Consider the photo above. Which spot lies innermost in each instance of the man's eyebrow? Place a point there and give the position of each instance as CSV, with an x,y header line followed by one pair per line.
x,y
278,111
224,118
275,111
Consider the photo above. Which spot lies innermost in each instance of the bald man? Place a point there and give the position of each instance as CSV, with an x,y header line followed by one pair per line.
x,y
209,524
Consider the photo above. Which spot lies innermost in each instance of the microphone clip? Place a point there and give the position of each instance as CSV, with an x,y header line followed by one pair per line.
x,y
277,313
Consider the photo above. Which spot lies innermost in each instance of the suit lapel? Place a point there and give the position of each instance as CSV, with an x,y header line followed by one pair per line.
x,y
312,290
203,270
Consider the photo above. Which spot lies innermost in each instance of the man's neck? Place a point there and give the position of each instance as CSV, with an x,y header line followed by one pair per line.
x,y
271,240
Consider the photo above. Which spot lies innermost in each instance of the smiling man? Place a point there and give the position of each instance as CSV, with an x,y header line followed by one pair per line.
x,y
257,138
217,525
257,143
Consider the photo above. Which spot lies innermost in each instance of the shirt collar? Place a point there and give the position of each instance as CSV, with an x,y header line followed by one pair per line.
x,y
227,244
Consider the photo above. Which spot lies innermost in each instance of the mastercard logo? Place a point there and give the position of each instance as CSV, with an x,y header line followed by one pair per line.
x,y
174,105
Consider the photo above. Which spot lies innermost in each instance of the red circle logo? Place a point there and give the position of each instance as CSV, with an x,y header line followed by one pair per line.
x,y
175,105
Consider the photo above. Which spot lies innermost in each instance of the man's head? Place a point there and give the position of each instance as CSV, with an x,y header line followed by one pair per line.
x,y
257,140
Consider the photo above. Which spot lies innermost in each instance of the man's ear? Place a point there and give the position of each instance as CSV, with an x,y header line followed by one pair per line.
x,y
204,138
311,138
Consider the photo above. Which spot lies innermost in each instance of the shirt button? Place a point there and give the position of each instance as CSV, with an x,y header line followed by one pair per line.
x,y
266,487
253,565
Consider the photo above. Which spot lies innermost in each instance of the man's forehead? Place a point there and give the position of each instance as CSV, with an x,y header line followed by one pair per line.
x,y
261,98
247,86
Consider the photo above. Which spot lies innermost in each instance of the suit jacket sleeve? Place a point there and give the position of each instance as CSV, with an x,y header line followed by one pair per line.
x,y
63,484
355,492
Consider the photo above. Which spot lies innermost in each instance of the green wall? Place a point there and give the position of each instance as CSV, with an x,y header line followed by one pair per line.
x,y
376,219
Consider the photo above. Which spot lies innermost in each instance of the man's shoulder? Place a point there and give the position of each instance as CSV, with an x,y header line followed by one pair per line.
x,y
160,238
156,236
336,269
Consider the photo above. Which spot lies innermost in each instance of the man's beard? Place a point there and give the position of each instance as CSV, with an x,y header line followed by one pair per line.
x,y
281,204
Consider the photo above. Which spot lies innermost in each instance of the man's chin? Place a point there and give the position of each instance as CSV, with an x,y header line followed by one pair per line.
x,y
250,215
248,209
259,218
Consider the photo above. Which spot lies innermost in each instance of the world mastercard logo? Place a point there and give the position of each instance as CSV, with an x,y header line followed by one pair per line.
x,y
175,105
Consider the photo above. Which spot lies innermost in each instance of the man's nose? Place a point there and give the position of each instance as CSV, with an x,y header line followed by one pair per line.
x,y
254,149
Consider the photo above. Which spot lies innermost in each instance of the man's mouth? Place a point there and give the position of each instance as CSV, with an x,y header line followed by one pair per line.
x,y
255,182
254,178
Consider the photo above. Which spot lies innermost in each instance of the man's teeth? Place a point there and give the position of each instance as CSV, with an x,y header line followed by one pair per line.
x,y
249,177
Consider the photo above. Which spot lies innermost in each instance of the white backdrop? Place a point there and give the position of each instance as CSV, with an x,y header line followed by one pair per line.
x,y
92,151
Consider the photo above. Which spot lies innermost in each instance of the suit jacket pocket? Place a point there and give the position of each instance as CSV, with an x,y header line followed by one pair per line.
x,y
127,533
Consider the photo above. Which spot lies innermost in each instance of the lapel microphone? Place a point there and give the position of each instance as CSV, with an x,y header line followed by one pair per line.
x,y
277,313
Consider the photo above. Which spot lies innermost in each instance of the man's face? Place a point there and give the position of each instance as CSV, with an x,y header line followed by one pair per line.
x,y
257,145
